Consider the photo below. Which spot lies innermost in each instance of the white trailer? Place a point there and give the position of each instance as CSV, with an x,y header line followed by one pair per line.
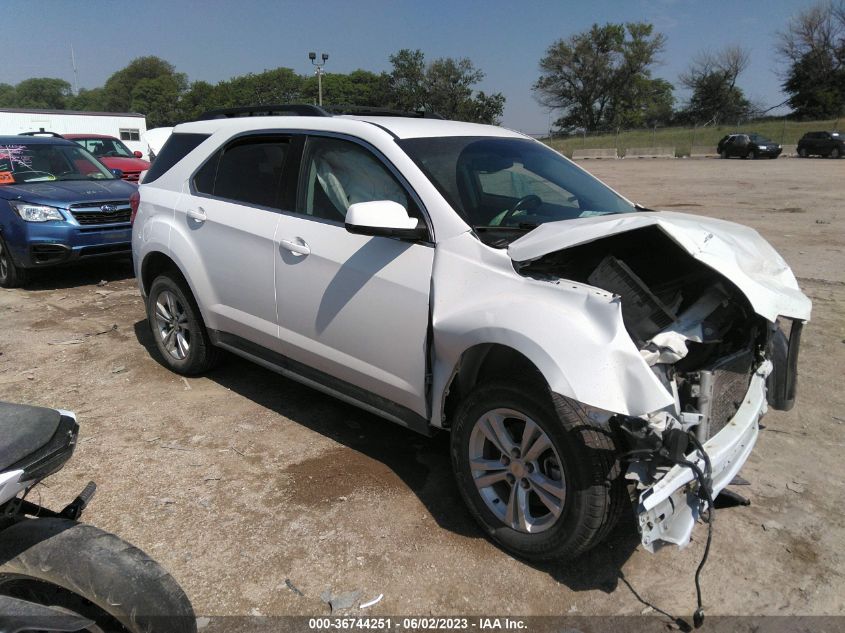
x,y
127,126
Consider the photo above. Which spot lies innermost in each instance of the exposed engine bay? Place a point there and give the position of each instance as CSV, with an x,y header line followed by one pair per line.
x,y
693,327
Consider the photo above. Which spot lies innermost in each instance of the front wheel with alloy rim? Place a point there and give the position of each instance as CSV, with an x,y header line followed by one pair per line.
x,y
834,153
540,477
177,327
11,275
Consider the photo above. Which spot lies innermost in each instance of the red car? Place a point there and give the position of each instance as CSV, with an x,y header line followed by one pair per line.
x,y
112,153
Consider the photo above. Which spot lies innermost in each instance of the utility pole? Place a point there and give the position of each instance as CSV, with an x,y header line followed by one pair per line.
x,y
75,72
319,72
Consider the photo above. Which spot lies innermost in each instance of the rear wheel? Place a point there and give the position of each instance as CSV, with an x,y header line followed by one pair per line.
x,y
538,475
11,275
177,327
723,154
802,152
96,575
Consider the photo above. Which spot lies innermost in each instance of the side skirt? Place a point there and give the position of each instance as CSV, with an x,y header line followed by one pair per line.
x,y
321,381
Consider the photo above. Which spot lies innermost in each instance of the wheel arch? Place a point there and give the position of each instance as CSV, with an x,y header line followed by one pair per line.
x,y
483,362
155,262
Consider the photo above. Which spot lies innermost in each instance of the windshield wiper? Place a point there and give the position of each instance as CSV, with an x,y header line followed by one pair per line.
x,y
522,226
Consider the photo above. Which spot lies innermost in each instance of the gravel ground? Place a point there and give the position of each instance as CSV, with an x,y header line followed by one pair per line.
x,y
241,480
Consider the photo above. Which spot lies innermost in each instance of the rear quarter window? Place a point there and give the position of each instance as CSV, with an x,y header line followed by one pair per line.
x,y
175,149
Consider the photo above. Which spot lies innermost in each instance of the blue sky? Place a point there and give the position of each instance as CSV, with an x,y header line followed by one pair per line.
x,y
214,40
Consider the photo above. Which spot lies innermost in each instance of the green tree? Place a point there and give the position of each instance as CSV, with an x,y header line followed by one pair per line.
x,y
7,96
158,99
280,85
407,79
446,86
601,78
119,89
42,92
712,77
200,97
813,47
360,88
88,100
642,102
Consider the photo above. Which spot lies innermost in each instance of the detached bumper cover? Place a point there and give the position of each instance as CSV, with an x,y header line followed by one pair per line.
x,y
668,510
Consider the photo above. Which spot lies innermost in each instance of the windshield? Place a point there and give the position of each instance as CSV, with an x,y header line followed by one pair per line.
x,y
105,147
761,139
509,185
42,162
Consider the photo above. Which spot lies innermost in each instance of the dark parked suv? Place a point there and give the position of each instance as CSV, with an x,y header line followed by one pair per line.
x,y
748,146
830,144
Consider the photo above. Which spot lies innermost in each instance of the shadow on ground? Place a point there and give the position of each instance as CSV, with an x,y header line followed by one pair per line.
x,y
422,463
82,274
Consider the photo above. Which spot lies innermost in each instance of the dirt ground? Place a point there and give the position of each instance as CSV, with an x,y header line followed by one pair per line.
x,y
241,479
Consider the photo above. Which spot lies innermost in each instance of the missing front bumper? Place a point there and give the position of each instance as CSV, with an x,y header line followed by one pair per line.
x,y
668,510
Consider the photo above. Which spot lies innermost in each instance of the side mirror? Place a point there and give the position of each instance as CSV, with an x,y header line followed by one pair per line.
x,y
137,154
383,218
117,173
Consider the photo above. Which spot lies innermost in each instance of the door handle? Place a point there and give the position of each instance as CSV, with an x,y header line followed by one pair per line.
x,y
298,248
197,214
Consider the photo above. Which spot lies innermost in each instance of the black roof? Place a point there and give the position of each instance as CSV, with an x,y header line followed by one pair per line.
x,y
34,140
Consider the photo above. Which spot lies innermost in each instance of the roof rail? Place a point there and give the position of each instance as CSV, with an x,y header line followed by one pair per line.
x,y
289,109
375,111
41,132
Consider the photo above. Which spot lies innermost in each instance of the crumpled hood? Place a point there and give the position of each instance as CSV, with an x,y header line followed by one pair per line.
x,y
737,252
62,193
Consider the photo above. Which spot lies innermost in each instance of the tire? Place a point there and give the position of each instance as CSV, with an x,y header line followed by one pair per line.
x,y
802,152
755,155
834,153
723,154
11,275
94,574
588,471
189,350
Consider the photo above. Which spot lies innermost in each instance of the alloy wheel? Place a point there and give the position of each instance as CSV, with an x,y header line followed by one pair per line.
x,y
172,325
517,470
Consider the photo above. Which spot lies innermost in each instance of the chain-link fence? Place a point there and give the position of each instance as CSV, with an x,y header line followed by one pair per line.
x,y
680,141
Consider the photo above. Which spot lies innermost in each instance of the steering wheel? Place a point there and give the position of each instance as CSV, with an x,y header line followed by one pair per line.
x,y
529,203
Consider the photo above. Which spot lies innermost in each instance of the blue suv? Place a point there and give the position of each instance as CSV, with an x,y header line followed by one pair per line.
x,y
58,204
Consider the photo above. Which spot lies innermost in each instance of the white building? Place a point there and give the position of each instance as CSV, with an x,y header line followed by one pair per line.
x,y
126,126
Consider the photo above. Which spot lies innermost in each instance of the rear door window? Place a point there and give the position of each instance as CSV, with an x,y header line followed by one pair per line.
x,y
248,170
175,149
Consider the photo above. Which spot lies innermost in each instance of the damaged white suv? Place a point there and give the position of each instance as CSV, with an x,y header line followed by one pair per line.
x,y
583,351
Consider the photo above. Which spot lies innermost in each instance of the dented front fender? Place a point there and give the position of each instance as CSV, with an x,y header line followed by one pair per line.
x,y
573,333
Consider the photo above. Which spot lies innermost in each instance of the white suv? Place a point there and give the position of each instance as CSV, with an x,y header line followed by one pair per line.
x,y
580,349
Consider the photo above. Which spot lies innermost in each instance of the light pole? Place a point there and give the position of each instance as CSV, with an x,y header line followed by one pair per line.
x,y
319,72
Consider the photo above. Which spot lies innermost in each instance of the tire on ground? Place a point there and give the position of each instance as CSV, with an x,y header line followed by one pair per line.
x,y
115,576
202,354
595,490
11,275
